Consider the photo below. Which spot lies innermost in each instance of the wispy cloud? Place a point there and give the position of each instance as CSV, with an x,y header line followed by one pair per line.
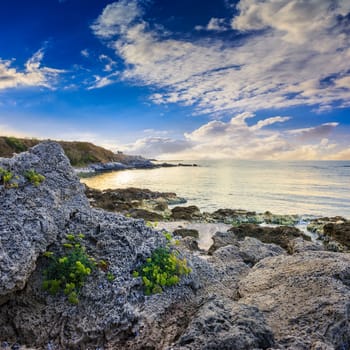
x,y
32,75
297,53
322,130
215,24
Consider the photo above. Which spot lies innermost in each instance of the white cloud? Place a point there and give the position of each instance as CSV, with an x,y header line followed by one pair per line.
x,y
238,139
109,63
214,24
101,82
155,146
298,20
85,53
319,131
116,18
297,46
33,74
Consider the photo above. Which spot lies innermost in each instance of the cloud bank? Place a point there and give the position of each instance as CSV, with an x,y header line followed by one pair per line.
x,y
290,53
240,138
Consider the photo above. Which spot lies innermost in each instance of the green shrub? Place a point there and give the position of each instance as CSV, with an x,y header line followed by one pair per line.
x,y
68,272
163,269
16,144
6,178
35,178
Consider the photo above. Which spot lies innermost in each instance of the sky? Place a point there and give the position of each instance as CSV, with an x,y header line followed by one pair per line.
x,y
184,79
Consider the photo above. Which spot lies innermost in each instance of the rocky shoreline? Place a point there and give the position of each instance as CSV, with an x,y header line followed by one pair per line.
x,y
331,232
257,287
132,162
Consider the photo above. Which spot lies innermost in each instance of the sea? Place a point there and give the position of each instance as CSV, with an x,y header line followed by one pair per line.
x,y
315,188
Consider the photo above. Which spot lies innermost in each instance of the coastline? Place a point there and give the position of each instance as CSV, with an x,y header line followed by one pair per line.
x,y
248,290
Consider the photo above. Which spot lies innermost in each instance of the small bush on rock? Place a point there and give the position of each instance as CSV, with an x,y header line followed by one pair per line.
x,y
35,178
6,178
163,269
68,272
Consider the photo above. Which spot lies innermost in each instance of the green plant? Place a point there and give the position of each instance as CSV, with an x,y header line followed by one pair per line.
x,y
110,277
163,269
35,178
6,178
68,272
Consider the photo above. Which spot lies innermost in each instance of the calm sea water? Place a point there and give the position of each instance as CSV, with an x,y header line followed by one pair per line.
x,y
310,188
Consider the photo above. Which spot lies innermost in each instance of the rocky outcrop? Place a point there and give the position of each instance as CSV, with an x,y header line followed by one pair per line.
x,y
240,216
245,295
185,213
334,232
224,324
339,232
32,217
138,202
35,218
280,235
305,298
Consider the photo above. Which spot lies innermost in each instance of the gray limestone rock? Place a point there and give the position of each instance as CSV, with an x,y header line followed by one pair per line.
x,y
305,298
32,217
221,324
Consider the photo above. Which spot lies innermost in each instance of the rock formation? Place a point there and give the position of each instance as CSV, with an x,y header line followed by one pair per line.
x,y
245,295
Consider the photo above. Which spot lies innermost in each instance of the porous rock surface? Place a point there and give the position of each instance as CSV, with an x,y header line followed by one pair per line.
x,y
305,298
32,217
246,295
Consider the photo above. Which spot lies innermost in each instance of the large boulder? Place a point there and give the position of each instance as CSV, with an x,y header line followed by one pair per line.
x,y
32,217
37,218
305,298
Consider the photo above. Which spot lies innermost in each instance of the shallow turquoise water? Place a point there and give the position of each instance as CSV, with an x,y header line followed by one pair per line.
x,y
315,188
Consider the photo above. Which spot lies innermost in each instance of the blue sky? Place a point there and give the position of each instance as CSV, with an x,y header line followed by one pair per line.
x,y
246,79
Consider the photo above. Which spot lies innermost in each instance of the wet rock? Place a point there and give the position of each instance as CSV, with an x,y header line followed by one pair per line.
x,y
305,298
280,235
185,232
122,200
231,216
223,324
339,232
185,213
144,214
240,216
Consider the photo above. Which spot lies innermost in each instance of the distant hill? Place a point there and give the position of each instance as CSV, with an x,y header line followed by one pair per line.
x,y
79,153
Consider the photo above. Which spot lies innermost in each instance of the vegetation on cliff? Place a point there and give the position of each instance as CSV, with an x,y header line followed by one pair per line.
x,y
79,153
